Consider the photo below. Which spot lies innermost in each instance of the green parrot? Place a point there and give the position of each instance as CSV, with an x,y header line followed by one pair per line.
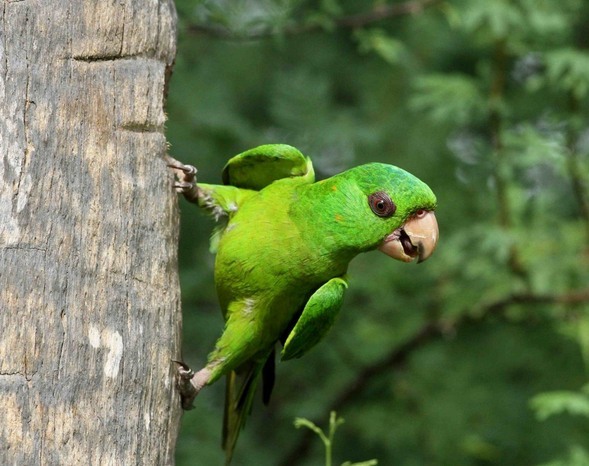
x,y
282,254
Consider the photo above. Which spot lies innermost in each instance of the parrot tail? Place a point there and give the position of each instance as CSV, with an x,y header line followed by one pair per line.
x,y
239,396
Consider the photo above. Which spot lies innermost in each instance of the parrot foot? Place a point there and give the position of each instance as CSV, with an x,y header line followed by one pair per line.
x,y
190,383
186,179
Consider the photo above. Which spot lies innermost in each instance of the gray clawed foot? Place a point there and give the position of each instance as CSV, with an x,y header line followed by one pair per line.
x,y
186,179
190,383
187,391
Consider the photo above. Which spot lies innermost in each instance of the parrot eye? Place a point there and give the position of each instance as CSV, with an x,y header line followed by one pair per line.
x,y
381,204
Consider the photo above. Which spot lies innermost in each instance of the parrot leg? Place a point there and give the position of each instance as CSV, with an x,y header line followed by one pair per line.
x,y
190,383
238,344
186,179
219,201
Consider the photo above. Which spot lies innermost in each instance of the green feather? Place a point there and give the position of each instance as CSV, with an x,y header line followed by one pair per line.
x,y
258,167
316,319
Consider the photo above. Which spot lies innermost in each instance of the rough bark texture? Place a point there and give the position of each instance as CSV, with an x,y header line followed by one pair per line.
x,y
89,294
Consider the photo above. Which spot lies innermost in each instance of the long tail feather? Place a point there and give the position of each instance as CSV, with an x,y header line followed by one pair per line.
x,y
239,396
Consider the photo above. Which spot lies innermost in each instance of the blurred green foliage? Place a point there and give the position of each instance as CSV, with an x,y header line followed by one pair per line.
x,y
480,356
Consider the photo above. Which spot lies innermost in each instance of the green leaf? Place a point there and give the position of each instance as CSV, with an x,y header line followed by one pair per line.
x,y
449,98
497,18
577,456
302,422
521,23
567,70
531,147
558,402
545,17
378,41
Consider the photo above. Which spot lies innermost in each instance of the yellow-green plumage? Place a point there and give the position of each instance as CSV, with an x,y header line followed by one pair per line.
x,y
283,255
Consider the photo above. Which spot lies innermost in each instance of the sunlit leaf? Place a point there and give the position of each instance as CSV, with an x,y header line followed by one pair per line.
x,y
380,42
558,402
578,456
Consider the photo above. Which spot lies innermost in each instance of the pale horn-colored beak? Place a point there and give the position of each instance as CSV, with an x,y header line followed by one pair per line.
x,y
416,239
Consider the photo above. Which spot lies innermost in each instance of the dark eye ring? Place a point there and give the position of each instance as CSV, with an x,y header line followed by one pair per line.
x,y
381,204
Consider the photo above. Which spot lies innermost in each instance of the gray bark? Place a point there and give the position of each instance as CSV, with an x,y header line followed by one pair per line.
x,y
89,294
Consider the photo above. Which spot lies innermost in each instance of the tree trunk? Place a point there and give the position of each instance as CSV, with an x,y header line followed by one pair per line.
x,y
89,294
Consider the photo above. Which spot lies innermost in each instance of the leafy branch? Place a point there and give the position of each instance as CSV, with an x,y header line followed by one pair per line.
x,y
354,21
560,402
557,402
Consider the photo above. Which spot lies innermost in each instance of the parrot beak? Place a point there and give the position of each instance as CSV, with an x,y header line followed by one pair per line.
x,y
416,239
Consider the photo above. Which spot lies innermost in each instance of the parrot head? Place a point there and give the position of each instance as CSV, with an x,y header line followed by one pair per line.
x,y
393,211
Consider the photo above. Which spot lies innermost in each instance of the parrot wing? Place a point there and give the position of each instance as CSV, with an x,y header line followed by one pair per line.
x,y
258,167
316,319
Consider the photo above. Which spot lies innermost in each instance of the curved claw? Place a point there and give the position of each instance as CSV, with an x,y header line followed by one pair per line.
x,y
184,371
190,383
183,186
186,179
190,171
